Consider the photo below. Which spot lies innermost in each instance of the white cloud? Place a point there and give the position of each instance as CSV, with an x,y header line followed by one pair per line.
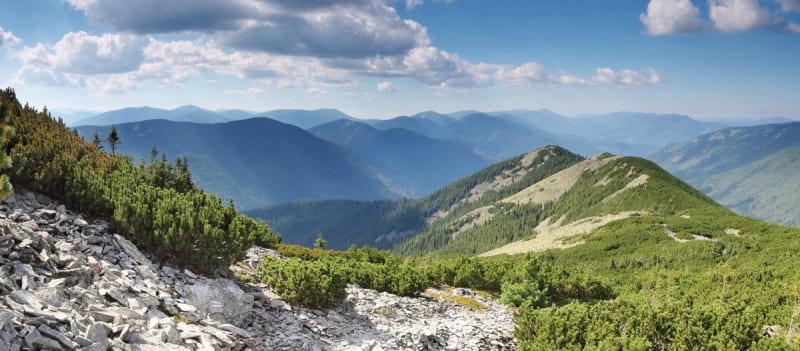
x,y
441,69
740,15
410,4
167,16
118,62
671,17
527,73
386,87
793,27
351,32
568,79
320,28
626,77
414,3
7,38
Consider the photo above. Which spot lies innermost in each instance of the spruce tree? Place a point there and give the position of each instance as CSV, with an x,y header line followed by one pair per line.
x,y
114,140
320,243
98,144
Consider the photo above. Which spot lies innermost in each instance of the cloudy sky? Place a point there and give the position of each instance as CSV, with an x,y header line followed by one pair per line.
x,y
382,58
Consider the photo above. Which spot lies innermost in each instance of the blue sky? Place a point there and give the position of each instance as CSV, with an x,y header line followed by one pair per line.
x,y
377,58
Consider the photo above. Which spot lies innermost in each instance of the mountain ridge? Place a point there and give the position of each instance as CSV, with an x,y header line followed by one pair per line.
x,y
256,153
417,163
748,169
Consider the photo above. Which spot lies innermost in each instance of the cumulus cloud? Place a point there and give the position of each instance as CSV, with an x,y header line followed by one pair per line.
x,y
318,28
167,16
527,73
665,17
569,79
671,17
441,69
7,38
82,53
386,87
626,77
740,15
354,32
119,62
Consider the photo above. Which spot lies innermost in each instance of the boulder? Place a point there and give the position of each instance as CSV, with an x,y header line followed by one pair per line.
x,y
220,299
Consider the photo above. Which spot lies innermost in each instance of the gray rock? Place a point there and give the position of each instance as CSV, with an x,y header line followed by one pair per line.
x,y
58,336
129,249
7,331
46,215
186,307
82,341
236,304
42,199
25,297
38,341
29,225
95,347
97,333
173,336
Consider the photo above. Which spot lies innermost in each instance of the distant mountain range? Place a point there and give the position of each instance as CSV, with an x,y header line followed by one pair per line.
x,y
406,156
416,163
257,161
302,118
752,170
547,199
134,114
495,135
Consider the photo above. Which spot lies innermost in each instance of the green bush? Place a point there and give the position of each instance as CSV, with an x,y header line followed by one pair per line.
x,y
314,284
156,205
623,325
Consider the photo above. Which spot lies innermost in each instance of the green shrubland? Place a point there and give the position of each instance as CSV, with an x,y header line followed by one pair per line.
x,y
155,203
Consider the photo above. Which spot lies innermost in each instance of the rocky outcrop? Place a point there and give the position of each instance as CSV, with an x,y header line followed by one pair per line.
x,y
68,282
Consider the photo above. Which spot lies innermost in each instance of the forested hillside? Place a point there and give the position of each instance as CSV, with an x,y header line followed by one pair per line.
x,y
256,161
752,170
415,163
653,265
156,204
384,223
574,201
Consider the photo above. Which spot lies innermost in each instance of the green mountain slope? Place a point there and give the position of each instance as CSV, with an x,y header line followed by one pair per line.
x,y
752,170
765,189
256,161
384,223
417,164
577,200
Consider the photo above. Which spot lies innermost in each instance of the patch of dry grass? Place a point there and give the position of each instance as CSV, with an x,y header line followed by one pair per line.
x,y
467,302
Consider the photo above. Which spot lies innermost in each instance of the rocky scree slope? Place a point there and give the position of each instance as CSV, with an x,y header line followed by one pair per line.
x,y
67,282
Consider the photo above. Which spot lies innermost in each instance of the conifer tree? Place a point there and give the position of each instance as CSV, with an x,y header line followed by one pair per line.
x,y
98,144
114,140
320,243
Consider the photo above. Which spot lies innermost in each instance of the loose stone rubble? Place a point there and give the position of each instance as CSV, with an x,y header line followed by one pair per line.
x,y
68,282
